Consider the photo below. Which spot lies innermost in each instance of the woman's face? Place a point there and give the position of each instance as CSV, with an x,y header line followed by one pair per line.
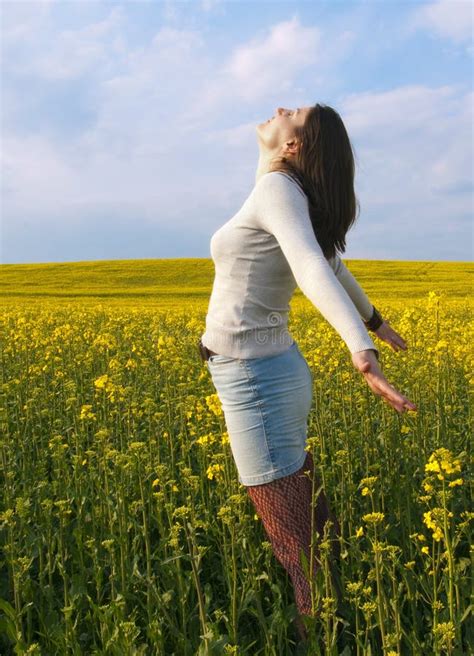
x,y
279,129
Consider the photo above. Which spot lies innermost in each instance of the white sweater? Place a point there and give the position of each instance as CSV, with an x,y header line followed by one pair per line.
x,y
260,255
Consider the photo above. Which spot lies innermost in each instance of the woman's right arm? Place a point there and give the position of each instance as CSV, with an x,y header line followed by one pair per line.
x,y
282,210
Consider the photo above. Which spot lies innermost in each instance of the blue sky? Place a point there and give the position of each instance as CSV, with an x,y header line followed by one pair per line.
x,y
128,128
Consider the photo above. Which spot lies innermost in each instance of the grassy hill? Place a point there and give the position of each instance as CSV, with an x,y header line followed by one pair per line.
x,y
170,282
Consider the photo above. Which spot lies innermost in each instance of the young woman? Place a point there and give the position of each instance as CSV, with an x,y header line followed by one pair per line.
x,y
286,234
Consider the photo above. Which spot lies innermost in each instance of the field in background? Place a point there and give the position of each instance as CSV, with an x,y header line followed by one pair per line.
x,y
174,282
122,523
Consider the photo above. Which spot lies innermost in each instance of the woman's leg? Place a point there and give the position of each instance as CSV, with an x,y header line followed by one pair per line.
x,y
284,506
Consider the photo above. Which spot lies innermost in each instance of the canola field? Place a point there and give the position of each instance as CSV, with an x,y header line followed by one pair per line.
x,y
123,527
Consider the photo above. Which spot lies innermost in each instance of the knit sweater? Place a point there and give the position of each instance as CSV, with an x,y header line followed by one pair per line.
x,y
261,255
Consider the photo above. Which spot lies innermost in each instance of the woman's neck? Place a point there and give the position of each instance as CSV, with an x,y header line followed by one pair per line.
x,y
264,162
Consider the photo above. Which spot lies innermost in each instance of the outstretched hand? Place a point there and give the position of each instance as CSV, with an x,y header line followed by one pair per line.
x,y
366,362
387,334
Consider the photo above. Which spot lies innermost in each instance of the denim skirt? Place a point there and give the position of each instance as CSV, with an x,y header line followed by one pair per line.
x,y
266,403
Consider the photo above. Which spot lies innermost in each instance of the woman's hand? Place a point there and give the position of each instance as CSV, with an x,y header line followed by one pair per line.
x,y
366,362
388,334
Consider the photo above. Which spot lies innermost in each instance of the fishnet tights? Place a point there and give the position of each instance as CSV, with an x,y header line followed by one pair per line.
x,y
284,506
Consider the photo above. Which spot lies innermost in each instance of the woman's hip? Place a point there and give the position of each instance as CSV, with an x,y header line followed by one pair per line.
x,y
266,402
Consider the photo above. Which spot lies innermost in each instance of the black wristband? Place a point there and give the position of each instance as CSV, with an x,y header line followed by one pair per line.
x,y
375,320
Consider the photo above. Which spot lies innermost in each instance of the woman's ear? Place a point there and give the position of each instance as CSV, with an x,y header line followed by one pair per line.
x,y
291,147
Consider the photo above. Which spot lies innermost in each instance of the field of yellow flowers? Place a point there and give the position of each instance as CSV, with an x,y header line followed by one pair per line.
x,y
123,528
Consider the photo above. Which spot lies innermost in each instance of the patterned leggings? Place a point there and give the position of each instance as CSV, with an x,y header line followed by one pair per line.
x,y
284,506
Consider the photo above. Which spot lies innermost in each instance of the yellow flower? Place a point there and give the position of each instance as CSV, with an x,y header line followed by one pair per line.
x,y
214,404
225,438
434,520
437,534
213,471
101,383
428,520
182,511
86,412
354,588
445,633
425,550
359,532
442,344
205,440
442,459
225,514
373,518
370,480
458,481
136,446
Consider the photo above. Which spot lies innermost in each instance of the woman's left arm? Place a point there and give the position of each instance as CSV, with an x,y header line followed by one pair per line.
x,y
352,287
384,331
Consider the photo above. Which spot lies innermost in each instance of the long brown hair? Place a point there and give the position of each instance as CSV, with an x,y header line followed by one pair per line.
x,y
324,169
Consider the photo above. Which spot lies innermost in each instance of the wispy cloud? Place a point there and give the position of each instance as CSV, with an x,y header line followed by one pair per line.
x,y
264,63
451,19
72,53
169,134
413,142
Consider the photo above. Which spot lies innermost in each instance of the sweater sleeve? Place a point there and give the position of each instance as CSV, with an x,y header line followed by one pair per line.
x,y
282,210
352,287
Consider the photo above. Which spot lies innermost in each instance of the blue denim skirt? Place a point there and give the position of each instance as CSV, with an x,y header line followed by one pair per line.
x,y
266,403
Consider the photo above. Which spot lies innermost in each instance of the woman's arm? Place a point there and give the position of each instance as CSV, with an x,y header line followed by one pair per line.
x,y
352,287
282,210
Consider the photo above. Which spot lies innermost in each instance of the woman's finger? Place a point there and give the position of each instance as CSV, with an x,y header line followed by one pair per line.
x,y
395,338
400,402
383,388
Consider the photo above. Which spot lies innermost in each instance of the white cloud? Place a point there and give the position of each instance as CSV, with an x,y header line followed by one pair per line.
x,y
140,108
414,152
452,19
264,64
22,21
209,5
168,127
70,54
151,128
37,175
268,67
137,153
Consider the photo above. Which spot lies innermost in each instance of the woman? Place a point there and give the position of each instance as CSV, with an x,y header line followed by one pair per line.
x,y
286,234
